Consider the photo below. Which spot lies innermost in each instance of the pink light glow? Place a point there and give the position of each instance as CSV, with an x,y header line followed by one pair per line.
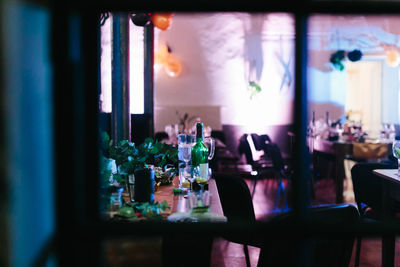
x,y
220,59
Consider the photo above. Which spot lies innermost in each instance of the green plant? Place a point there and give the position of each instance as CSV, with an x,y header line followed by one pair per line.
x,y
337,58
254,89
129,157
146,210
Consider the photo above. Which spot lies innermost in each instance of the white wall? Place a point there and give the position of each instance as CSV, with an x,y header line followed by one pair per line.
x,y
390,95
215,50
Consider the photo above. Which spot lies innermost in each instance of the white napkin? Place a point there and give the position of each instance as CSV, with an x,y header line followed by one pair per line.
x,y
197,217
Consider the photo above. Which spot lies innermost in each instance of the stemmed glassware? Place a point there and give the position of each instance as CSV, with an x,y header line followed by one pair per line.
x,y
396,152
201,181
185,144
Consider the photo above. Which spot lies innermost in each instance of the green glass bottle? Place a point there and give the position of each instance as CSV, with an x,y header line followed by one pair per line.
x,y
200,152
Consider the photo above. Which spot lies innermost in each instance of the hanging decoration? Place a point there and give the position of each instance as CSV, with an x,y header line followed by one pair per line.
x,y
173,67
161,20
392,58
287,76
254,89
161,55
103,17
354,55
337,58
141,19
163,58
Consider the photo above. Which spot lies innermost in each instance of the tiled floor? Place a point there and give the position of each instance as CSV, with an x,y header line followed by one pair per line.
x,y
231,254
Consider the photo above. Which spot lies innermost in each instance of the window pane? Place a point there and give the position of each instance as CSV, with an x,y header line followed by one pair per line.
x,y
353,95
136,66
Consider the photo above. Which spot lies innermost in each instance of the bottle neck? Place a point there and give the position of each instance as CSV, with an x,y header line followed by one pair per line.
x,y
199,132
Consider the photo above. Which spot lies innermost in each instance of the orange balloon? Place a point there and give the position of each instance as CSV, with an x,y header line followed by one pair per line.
x,y
392,58
162,20
173,67
161,55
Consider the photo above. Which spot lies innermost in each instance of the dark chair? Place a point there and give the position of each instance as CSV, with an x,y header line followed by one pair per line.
x,y
260,168
238,207
260,140
218,135
161,136
281,172
322,250
368,194
224,159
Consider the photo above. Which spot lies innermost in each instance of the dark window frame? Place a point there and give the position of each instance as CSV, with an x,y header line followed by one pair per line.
x,y
76,140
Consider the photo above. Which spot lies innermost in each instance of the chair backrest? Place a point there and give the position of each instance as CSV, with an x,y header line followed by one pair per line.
x,y
235,198
160,136
252,147
324,250
366,185
274,152
244,148
260,140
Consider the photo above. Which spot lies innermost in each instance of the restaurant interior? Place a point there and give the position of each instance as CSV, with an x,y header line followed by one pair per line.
x,y
297,113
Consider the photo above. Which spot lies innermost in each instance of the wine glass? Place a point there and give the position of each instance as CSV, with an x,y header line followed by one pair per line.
x,y
191,178
201,181
186,151
185,144
396,152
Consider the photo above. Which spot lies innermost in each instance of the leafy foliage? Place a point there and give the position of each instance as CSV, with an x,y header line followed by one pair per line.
x,y
147,210
129,157
337,58
254,89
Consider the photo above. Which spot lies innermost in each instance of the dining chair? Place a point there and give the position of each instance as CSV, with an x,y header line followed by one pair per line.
x,y
281,172
238,207
316,250
367,188
251,146
260,140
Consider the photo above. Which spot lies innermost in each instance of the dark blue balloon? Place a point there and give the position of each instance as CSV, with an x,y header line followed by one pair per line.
x,y
354,55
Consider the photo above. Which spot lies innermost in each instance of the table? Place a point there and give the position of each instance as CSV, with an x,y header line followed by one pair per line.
x,y
177,202
169,248
391,189
185,244
341,151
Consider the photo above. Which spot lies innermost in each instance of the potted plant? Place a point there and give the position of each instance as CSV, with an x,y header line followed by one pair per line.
x,y
134,164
